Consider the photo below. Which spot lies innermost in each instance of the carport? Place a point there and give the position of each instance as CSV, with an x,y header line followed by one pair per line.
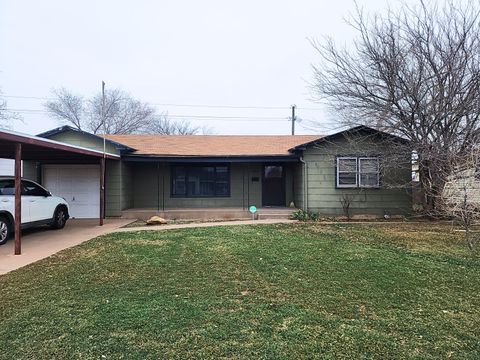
x,y
20,147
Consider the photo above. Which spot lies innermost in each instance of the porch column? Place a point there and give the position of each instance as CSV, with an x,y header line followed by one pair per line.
x,y
102,191
18,199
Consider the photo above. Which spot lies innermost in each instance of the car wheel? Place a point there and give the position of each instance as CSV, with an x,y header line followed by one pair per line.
x,y
5,230
59,218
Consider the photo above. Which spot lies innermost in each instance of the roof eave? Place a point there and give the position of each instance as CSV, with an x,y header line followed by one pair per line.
x,y
303,147
13,136
216,158
66,128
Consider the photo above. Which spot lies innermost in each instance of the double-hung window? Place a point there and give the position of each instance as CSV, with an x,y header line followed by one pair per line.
x,y
347,172
200,181
368,172
355,172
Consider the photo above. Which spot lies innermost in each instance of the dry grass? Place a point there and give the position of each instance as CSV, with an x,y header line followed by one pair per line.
x,y
270,291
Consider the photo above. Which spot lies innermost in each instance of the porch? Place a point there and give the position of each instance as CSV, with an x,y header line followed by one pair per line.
x,y
204,190
209,213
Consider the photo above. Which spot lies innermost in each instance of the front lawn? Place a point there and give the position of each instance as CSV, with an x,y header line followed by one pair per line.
x,y
266,291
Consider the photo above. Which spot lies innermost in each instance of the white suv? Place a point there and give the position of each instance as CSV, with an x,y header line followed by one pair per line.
x,y
39,207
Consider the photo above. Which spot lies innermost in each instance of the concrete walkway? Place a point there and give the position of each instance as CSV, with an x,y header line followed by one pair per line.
x,y
43,242
205,224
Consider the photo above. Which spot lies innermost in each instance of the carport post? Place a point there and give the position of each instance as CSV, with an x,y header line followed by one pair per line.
x,y
18,199
102,191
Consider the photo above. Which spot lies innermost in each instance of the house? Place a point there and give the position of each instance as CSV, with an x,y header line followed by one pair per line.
x,y
173,175
461,191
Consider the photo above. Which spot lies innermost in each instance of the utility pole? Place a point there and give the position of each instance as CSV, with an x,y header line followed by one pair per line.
x,y
103,160
103,118
293,119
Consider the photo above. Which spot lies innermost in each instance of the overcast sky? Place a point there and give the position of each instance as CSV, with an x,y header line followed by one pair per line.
x,y
215,53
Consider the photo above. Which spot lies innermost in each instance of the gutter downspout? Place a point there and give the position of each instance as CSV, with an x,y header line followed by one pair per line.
x,y
305,183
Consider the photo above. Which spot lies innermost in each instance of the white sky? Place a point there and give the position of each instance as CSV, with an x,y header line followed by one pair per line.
x,y
211,52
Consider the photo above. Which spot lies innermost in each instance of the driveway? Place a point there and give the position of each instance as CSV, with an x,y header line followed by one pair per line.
x,y
43,242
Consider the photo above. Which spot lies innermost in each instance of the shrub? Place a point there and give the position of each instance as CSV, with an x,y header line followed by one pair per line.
x,y
302,215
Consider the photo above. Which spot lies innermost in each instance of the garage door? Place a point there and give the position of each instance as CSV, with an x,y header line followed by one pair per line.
x,y
78,184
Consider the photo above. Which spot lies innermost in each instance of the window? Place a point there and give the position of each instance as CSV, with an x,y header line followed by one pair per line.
x,y
32,189
273,171
7,187
200,181
369,174
347,172
353,172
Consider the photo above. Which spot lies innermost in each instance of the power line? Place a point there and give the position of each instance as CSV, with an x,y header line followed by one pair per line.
x,y
185,105
26,97
223,106
198,117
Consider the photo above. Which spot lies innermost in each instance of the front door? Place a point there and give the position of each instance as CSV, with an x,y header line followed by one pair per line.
x,y
273,185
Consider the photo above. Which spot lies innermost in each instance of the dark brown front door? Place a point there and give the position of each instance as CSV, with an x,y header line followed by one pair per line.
x,y
273,185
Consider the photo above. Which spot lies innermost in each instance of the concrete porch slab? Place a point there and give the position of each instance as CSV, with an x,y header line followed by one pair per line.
x,y
42,242
208,213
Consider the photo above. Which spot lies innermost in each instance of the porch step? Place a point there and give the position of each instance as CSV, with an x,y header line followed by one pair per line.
x,y
265,216
275,213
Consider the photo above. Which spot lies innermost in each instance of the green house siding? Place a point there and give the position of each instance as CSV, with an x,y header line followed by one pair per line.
x,y
298,185
127,186
289,184
323,196
113,188
89,142
151,184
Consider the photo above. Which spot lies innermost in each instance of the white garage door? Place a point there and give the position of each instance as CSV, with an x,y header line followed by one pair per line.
x,y
7,167
78,184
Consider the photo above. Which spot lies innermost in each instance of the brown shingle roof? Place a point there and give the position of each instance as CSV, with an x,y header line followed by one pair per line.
x,y
212,145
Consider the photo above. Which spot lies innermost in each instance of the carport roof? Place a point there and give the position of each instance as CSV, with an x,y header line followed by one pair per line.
x,y
37,148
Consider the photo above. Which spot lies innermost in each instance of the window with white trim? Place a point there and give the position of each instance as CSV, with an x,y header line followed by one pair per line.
x,y
355,172
347,172
368,172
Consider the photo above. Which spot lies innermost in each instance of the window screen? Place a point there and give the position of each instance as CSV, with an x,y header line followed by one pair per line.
x,y
369,174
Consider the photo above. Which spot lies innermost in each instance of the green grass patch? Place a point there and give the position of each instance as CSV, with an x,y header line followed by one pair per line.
x,y
265,291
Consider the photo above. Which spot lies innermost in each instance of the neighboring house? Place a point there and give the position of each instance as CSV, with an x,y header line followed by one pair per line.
x,y
207,171
462,188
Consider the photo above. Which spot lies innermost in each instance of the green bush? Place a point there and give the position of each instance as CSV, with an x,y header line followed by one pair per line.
x,y
302,215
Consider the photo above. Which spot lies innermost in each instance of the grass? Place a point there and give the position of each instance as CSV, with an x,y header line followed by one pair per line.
x,y
266,291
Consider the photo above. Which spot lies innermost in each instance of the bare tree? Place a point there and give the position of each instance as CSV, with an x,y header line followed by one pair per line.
x,y
123,114
162,125
165,126
4,120
346,201
67,107
7,116
414,72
